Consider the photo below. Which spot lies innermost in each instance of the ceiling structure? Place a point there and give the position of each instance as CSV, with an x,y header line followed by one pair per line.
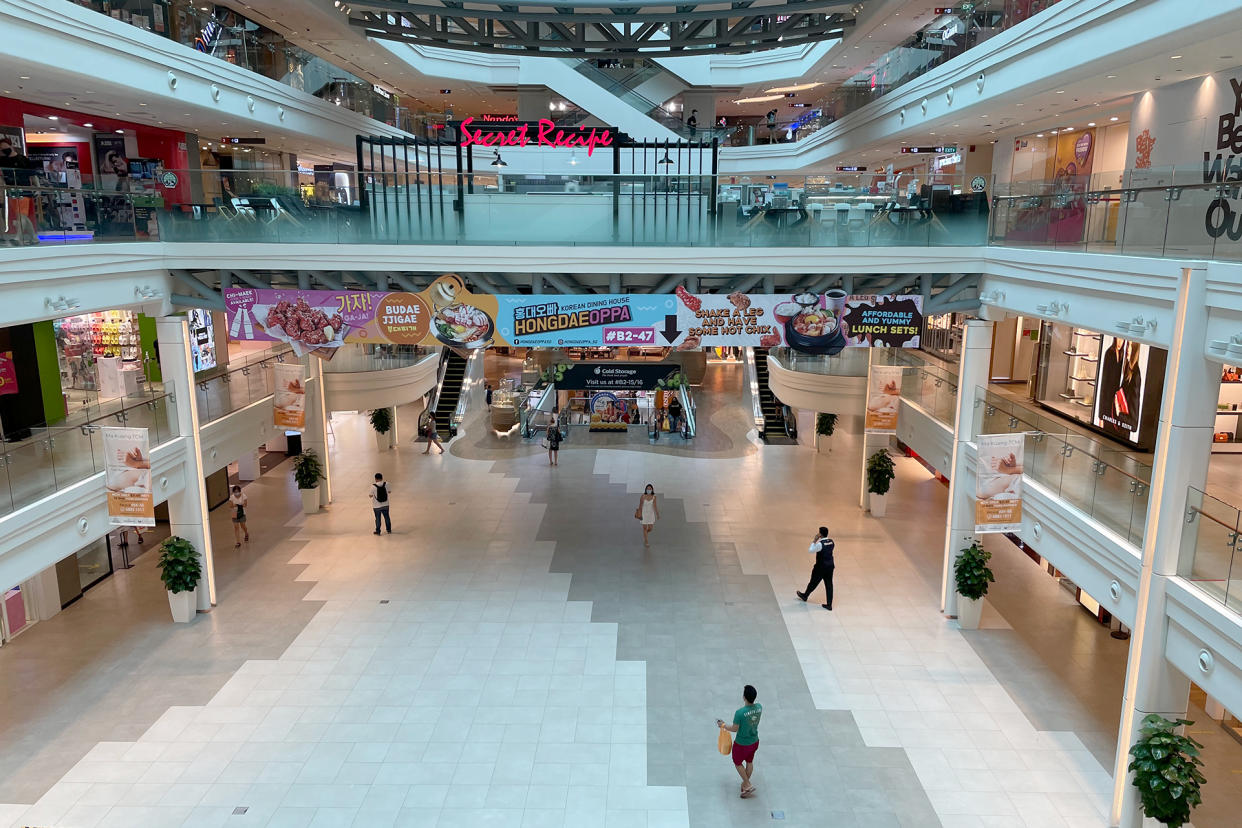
x,y
588,28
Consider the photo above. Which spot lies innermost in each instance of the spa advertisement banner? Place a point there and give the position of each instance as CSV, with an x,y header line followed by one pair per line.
x,y
318,322
883,398
127,476
998,483
289,401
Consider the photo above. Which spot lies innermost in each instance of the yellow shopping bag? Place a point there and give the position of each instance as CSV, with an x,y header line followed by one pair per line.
x,y
725,742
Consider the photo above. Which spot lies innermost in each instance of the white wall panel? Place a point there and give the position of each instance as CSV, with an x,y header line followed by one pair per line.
x,y
1196,623
365,390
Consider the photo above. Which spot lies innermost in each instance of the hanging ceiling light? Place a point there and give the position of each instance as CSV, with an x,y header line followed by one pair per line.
x,y
573,158
665,161
498,161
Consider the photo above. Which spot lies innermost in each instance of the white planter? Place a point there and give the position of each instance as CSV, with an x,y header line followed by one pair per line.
x,y
879,504
184,605
968,613
310,500
382,441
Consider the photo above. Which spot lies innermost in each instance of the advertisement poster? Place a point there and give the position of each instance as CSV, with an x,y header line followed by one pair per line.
x,y
289,401
608,412
446,313
592,376
1128,385
202,340
111,164
883,398
8,373
998,483
127,476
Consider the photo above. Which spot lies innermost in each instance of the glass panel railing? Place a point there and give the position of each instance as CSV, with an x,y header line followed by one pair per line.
x,y
1209,552
925,381
233,388
351,359
62,454
1100,479
495,207
852,362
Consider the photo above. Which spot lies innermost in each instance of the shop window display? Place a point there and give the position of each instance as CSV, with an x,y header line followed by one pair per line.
x,y
99,354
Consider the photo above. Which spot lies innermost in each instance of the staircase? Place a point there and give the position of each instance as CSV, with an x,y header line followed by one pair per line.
x,y
449,393
774,431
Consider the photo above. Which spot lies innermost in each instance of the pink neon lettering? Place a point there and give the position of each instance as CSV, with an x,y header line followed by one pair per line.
x,y
514,138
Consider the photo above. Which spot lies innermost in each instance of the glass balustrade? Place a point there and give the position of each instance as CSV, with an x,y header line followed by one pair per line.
x,y
61,454
226,391
1210,547
1105,481
351,359
852,362
925,381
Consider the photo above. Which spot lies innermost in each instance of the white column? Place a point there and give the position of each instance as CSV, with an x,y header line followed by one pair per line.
x,y
187,509
1183,449
960,522
248,466
316,436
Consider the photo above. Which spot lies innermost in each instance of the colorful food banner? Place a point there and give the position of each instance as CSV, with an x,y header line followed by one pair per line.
x,y
289,401
446,313
127,476
883,399
8,373
998,483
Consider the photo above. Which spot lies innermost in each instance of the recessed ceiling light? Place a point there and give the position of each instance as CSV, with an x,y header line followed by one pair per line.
x,y
1110,76
1060,91
1068,129
142,104
1114,118
1053,131
1175,57
23,77
120,132
1039,135
88,126
53,118
1091,123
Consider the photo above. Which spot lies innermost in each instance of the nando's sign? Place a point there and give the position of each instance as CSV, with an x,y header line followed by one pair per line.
x,y
538,133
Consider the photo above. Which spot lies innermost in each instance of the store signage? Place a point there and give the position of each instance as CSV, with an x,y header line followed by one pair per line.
x,y
998,482
446,313
382,92
235,140
305,170
168,179
883,399
616,376
8,373
978,184
289,401
202,340
541,133
928,150
127,476
851,169
498,119
947,160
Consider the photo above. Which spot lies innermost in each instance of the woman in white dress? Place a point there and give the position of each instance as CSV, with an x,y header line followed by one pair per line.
x,y
648,511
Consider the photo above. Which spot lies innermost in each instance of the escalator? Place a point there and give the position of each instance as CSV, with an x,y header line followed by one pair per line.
x,y
778,427
448,392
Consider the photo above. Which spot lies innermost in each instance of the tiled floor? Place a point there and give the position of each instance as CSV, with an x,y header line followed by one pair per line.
x,y
513,656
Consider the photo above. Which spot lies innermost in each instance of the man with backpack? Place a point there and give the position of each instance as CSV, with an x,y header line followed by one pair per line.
x,y
379,503
822,547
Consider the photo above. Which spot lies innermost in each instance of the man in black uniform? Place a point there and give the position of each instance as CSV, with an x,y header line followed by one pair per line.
x,y
822,547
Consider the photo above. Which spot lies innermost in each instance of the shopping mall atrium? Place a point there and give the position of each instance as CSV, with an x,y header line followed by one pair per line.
x,y
456,414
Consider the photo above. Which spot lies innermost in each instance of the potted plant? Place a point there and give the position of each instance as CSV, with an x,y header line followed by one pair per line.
x,y
1166,770
381,421
972,576
880,474
825,425
307,472
180,570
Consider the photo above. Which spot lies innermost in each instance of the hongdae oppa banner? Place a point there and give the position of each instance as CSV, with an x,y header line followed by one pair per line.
x,y
289,401
998,483
127,476
321,321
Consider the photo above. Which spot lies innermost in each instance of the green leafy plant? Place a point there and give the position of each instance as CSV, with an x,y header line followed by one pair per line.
x,y
180,567
825,424
381,420
307,470
1166,770
554,372
880,472
971,572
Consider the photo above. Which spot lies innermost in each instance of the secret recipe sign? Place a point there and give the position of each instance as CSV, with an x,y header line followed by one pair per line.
x,y
543,133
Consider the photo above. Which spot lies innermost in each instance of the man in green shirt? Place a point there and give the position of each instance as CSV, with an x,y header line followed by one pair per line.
x,y
746,726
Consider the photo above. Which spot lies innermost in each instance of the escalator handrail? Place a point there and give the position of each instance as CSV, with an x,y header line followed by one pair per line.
x,y
441,371
687,408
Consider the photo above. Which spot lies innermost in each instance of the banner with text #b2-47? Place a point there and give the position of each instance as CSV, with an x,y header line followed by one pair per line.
x,y
320,321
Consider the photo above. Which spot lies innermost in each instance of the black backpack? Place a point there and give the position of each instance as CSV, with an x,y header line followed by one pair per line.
x,y
381,492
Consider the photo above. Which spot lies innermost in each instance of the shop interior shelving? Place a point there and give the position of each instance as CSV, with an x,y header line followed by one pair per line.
x,y
1229,418
1083,353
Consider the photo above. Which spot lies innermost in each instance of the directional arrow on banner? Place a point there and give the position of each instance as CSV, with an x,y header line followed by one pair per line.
x,y
670,332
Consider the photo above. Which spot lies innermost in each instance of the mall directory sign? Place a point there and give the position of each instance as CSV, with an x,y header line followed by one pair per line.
x,y
320,321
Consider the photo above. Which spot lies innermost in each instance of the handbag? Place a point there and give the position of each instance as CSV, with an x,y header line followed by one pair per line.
x,y
638,513
724,743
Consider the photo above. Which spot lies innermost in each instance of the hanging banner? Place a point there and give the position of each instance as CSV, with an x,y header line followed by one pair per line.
x,y
998,483
289,401
318,322
8,373
883,398
127,476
